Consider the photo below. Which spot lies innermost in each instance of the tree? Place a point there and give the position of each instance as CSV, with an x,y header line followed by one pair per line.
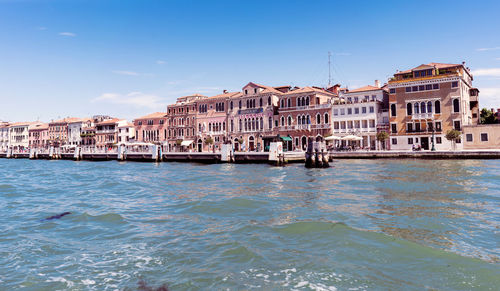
x,y
487,116
452,135
209,140
178,142
382,136
240,140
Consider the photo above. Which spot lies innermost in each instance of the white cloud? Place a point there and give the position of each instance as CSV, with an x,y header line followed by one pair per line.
x,y
133,98
491,72
498,59
126,73
41,28
67,34
488,49
489,97
160,62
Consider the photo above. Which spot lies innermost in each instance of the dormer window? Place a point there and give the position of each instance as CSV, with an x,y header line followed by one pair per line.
x,y
255,90
246,92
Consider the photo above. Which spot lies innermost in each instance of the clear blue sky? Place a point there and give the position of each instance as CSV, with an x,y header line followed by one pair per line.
x,y
129,58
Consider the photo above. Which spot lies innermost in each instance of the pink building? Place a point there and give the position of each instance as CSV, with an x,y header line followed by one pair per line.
x,y
39,135
151,128
58,131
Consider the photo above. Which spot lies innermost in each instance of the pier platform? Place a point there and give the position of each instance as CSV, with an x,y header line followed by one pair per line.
x,y
479,154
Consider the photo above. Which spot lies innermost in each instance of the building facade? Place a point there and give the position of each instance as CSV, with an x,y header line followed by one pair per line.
x,y
4,136
106,133
19,136
39,135
251,117
151,128
361,112
182,124
429,100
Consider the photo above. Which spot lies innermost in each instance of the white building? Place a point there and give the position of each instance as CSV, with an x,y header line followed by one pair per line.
x,y
4,136
19,136
126,133
75,131
361,112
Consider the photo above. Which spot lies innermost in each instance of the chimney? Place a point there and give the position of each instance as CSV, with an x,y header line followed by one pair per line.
x,y
224,91
377,83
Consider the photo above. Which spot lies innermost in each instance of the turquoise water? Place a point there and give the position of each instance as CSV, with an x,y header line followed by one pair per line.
x,y
359,225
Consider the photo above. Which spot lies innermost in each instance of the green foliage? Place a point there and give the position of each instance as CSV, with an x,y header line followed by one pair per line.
x,y
453,134
487,116
240,140
209,140
382,136
178,142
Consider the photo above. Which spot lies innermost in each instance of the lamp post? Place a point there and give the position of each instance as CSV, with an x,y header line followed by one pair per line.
x,y
433,149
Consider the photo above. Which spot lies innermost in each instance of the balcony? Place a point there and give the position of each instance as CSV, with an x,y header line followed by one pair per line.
x,y
429,130
418,116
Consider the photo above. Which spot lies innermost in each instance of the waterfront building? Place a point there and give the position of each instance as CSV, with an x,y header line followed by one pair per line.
x,y
19,136
88,138
126,133
38,135
211,121
427,101
106,133
251,117
182,123
4,136
75,129
481,136
58,131
361,112
304,113
151,128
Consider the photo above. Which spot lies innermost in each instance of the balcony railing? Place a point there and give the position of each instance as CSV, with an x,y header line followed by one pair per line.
x,y
423,130
422,116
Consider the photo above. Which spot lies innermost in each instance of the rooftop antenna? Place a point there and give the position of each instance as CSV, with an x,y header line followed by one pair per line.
x,y
329,71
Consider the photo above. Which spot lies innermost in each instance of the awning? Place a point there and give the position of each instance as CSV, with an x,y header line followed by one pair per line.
x,y
332,137
352,137
186,142
286,138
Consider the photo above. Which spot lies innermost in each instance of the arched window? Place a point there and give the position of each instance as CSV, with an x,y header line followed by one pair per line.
x,y
408,109
304,120
327,118
416,107
393,109
456,105
282,103
260,102
210,127
231,105
318,118
308,119
232,125
239,104
224,125
241,127
248,103
269,100
289,103
429,107
422,107
307,101
253,123
270,122
282,121
437,106
246,125
289,120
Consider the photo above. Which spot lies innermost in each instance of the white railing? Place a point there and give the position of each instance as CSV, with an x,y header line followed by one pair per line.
x,y
422,116
99,151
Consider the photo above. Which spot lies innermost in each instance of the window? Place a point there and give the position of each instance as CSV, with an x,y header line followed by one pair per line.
x,y
372,109
409,127
232,125
282,103
437,107
241,125
270,123
394,141
454,84
393,109
456,105
414,88
356,99
484,137
392,91
456,124
435,86
356,110
255,90
394,128
260,102
367,98
307,101
429,107
318,118
410,140
363,109
239,104
408,89
342,111
289,102
246,92
231,105
335,112
421,88
428,87
438,139
438,125
416,108
422,107
289,120
327,119
372,123
468,137
282,121
408,109
349,111
269,100
417,127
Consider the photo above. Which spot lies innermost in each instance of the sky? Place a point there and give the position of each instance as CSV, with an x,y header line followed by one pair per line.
x,y
130,58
